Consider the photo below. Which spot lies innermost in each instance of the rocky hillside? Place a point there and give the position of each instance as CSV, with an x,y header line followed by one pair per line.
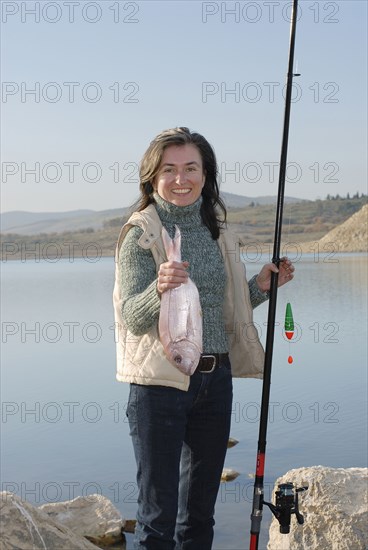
x,y
350,236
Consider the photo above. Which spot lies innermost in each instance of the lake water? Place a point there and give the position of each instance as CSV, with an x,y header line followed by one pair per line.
x,y
64,431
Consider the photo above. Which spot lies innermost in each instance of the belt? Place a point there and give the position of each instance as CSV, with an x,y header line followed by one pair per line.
x,y
210,361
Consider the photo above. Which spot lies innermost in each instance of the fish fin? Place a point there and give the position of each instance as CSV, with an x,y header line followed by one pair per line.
x,y
168,244
177,244
172,246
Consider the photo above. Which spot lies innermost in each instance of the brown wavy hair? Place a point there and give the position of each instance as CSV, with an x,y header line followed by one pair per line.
x,y
213,210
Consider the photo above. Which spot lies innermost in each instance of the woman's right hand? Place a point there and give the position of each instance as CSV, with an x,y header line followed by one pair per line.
x,y
171,275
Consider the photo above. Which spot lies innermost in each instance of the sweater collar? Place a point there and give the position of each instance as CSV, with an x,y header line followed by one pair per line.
x,y
183,215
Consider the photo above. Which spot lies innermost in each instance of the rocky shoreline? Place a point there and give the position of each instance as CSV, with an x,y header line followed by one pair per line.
x,y
79,524
335,510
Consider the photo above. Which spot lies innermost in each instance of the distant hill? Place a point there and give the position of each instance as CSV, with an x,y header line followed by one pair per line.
x,y
34,223
20,217
239,201
341,221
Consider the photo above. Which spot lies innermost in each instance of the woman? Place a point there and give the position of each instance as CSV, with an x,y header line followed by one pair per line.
x,y
180,424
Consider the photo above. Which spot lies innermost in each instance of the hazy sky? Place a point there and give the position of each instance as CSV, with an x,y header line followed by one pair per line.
x,y
87,85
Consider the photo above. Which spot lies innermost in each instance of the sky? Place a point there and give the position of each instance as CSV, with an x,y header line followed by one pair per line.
x,y
87,85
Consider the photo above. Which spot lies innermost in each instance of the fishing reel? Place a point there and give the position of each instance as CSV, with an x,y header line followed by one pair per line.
x,y
286,505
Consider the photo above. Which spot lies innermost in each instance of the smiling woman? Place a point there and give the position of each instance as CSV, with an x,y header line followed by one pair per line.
x,y
180,419
180,178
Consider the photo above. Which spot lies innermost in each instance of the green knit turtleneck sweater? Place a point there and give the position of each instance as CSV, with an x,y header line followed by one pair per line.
x,y
141,302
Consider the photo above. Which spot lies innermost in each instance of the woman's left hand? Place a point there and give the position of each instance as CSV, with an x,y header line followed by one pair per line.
x,y
286,274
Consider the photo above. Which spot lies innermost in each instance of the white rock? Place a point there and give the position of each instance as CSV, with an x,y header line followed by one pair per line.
x,y
24,527
93,517
334,507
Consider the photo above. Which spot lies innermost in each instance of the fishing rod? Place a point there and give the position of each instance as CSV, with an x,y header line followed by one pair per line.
x,y
287,495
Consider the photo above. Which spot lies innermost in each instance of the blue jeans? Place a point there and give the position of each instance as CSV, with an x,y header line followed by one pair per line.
x,y
180,441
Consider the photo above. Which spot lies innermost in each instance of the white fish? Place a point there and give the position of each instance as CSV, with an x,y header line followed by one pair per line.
x,y
180,322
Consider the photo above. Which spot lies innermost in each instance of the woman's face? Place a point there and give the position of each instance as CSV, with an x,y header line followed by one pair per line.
x,y
180,178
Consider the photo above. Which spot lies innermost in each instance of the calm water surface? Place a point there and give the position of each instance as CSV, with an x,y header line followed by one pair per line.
x,y
64,431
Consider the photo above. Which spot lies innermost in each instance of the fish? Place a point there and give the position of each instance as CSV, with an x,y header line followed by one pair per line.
x,y
180,319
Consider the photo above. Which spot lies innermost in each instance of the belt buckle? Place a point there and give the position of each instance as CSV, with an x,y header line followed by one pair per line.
x,y
213,366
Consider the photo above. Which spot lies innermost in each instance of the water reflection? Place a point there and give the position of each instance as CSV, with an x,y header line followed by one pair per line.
x,y
64,413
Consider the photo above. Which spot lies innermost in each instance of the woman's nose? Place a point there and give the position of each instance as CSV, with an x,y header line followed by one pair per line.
x,y
180,177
